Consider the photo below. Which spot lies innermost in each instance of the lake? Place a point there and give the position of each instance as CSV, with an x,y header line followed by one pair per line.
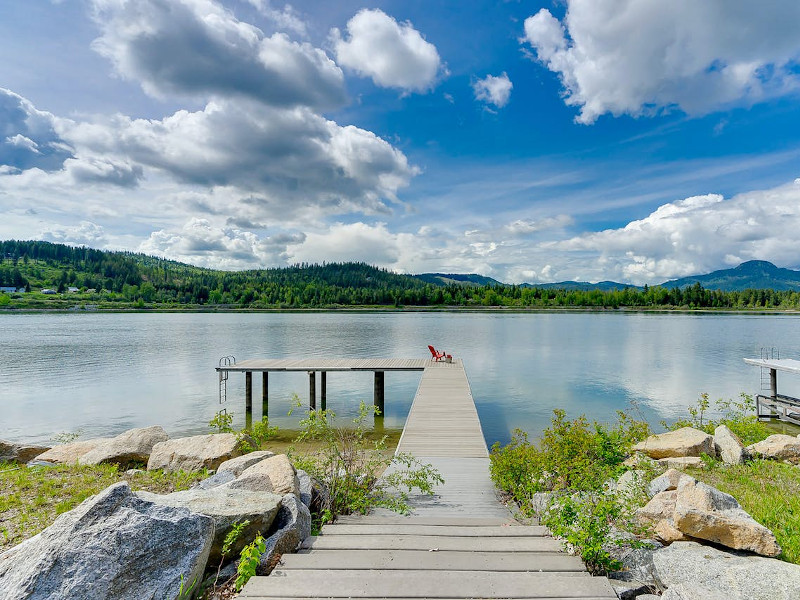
x,y
102,373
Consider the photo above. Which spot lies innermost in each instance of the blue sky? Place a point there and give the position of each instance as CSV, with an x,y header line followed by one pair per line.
x,y
629,140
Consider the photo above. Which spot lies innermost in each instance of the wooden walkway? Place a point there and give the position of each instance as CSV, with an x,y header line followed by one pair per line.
x,y
459,543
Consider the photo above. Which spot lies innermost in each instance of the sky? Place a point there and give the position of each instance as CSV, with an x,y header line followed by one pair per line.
x,y
626,140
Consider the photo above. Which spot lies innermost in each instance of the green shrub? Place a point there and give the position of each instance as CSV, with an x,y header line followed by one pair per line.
x,y
573,455
738,415
584,521
351,467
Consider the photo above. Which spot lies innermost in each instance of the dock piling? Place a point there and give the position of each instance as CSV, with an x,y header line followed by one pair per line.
x,y
773,383
323,392
312,390
265,394
378,390
248,392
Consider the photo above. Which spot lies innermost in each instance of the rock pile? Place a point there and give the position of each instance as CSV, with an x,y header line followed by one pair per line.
x,y
119,544
687,515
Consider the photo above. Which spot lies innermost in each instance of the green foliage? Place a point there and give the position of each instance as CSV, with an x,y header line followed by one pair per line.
x,y
574,455
222,422
186,592
260,433
739,415
249,560
124,279
230,539
585,521
350,465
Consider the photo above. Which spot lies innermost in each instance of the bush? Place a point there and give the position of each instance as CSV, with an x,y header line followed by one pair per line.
x,y
738,415
350,467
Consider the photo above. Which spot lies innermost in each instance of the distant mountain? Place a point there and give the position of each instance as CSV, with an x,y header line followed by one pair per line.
x,y
603,286
457,278
753,274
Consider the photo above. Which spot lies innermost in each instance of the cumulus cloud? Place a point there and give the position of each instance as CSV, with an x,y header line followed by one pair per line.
x,y
28,137
634,57
695,235
394,55
85,233
493,89
198,48
287,156
200,242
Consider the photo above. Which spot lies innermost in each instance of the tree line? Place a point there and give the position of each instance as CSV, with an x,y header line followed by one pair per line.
x,y
127,277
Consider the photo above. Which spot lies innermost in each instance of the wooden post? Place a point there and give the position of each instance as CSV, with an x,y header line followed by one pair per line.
x,y
248,392
265,394
312,390
773,382
323,392
378,391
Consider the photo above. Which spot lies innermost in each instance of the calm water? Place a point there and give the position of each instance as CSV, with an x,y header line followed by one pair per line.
x,y
104,373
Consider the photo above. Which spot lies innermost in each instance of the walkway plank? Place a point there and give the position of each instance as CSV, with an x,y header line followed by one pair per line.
x,y
383,583
460,542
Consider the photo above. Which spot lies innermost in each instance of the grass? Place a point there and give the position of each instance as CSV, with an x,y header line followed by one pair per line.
x,y
32,498
769,491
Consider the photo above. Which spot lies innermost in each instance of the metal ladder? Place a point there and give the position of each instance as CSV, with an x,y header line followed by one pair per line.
x,y
768,354
225,361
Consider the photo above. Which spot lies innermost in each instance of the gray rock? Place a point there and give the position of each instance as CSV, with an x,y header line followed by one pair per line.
x,y
194,453
686,441
628,590
637,565
216,480
681,462
275,474
728,446
306,487
237,465
692,591
541,501
648,597
735,575
292,526
630,483
226,507
19,453
113,546
777,447
68,454
704,512
132,446
664,483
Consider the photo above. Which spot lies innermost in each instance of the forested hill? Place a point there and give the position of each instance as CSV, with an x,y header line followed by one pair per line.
x,y
46,275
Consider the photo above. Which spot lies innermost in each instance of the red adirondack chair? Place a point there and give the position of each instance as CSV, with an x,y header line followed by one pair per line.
x,y
436,355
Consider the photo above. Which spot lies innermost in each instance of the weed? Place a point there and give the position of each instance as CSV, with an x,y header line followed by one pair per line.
x,y
222,422
738,415
249,561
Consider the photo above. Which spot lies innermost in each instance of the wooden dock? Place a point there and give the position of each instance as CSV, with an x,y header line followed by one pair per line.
x,y
459,543
780,406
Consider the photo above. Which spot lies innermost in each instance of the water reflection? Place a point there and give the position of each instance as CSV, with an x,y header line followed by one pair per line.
x,y
103,373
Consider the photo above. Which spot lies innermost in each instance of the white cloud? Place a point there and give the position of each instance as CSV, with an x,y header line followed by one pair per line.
x,y
281,159
202,243
637,57
284,18
493,89
394,55
694,235
198,48
85,233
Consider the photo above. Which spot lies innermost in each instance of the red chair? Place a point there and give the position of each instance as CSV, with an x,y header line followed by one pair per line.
x,y
436,355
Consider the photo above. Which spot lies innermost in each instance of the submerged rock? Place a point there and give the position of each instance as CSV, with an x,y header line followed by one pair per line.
x,y
113,546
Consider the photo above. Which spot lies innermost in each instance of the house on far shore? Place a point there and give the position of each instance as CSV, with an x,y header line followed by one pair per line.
x,y
48,291
72,290
9,290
